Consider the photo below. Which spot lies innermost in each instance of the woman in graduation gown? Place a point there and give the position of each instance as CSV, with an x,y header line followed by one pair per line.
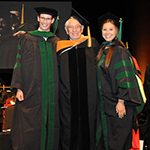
x,y
118,88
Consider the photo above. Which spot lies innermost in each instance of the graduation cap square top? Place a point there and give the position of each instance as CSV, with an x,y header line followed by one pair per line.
x,y
15,7
47,10
109,16
78,17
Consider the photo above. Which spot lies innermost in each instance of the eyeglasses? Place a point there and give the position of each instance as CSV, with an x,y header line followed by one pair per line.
x,y
48,19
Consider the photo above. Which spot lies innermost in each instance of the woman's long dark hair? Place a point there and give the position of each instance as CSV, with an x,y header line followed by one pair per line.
x,y
108,56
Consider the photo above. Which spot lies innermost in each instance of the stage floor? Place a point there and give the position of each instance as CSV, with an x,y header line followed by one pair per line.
x,y
5,141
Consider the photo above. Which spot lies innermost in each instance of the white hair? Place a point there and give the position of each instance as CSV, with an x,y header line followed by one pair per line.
x,y
67,22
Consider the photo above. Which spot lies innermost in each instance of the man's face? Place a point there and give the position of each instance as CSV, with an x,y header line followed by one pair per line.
x,y
45,22
74,29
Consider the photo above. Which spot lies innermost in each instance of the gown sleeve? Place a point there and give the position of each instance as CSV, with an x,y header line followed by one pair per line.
x,y
122,76
16,82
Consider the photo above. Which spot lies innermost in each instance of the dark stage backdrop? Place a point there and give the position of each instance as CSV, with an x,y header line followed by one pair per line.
x,y
136,23
135,14
21,16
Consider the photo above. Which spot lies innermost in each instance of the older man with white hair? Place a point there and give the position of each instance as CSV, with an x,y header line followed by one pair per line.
x,y
78,88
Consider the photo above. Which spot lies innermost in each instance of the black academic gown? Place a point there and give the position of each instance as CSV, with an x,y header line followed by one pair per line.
x,y
118,82
78,96
35,123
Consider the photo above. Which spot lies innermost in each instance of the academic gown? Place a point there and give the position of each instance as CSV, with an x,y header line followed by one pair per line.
x,y
118,82
35,123
78,94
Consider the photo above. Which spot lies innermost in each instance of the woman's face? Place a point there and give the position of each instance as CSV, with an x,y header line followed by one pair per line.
x,y
109,31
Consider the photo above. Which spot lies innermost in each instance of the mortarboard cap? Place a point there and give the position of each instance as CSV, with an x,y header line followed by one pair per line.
x,y
15,7
109,16
78,17
117,21
46,10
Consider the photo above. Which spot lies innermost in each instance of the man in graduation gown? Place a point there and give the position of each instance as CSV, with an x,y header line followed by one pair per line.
x,y
78,90
35,123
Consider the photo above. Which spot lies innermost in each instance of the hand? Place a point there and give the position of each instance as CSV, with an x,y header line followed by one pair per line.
x,y
19,95
19,33
120,108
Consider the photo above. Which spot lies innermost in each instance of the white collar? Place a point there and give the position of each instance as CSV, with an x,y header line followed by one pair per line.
x,y
45,38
